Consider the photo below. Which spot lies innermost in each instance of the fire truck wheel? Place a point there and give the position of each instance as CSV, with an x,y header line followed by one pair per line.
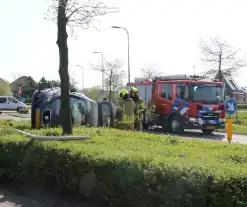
x,y
175,125
207,131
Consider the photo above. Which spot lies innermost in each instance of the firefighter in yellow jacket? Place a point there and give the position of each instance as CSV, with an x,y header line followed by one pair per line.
x,y
125,111
140,107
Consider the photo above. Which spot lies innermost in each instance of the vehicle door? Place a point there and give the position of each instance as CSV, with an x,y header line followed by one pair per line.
x,y
165,97
3,103
181,102
12,103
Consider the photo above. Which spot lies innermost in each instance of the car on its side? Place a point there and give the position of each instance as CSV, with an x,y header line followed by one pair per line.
x,y
84,111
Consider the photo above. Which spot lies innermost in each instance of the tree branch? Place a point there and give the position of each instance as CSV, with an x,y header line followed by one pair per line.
x,y
79,13
220,55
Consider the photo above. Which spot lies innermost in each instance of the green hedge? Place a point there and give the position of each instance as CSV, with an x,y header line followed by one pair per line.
x,y
130,169
242,106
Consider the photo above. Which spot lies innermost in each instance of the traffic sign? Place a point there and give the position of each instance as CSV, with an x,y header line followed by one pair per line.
x,y
19,91
231,106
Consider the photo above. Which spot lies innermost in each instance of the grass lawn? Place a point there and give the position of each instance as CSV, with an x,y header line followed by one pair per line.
x,y
236,129
28,106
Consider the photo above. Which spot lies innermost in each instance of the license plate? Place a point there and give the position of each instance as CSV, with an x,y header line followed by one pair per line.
x,y
209,127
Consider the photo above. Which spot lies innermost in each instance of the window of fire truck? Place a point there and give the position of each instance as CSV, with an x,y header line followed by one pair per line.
x,y
167,91
207,93
148,94
182,91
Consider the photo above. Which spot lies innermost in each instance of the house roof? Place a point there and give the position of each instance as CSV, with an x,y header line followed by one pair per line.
x,y
229,80
25,82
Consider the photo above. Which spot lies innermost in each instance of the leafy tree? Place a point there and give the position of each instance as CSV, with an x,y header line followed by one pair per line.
x,y
54,83
43,83
93,93
4,89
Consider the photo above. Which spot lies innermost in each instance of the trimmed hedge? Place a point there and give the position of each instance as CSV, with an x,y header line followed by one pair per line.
x,y
129,169
242,106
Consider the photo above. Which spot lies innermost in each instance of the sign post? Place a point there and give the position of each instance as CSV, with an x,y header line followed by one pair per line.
x,y
231,108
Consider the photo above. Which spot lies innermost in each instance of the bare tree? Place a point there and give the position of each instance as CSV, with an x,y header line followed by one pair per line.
x,y
114,75
149,72
74,14
221,57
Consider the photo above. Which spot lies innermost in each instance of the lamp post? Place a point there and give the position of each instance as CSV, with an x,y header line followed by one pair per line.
x,y
82,82
102,67
117,27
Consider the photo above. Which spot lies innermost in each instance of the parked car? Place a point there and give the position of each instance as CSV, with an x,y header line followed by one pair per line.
x,y
10,103
84,111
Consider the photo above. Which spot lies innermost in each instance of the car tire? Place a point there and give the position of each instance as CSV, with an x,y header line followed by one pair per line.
x,y
18,109
207,131
176,125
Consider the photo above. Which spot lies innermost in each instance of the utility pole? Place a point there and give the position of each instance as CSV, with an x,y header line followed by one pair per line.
x,y
102,68
82,81
128,41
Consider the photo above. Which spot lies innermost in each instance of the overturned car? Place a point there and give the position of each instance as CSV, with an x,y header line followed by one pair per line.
x,y
84,111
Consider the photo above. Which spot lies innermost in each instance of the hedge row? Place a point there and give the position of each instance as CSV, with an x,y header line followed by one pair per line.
x,y
130,169
242,106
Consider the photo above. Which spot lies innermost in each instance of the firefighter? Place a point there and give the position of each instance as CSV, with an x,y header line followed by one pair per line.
x,y
140,107
125,111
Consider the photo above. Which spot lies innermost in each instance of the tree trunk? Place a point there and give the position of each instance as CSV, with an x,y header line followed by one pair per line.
x,y
63,68
220,75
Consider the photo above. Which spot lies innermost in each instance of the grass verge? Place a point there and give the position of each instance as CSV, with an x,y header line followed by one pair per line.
x,y
128,168
242,106
236,129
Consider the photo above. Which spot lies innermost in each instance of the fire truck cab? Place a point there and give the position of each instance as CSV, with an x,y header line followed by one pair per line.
x,y
178,102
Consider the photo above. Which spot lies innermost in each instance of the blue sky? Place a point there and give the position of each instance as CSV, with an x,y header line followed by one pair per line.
x,y
163,33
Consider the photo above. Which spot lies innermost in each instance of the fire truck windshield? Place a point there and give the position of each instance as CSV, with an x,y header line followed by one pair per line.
x,y
207,93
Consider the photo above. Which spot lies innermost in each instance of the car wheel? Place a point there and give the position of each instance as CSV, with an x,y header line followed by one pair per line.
x,y
18,109
207,131
176,125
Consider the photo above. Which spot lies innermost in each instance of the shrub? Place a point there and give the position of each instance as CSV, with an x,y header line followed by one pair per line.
x,y
4,88
130,168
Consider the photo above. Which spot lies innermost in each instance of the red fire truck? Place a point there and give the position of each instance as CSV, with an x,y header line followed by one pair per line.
x,y
178,102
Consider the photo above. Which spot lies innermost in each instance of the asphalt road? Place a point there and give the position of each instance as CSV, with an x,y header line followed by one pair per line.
x,y
216,136
190,134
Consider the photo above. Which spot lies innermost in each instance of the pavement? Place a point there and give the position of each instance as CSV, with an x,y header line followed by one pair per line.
x,y
20,197
10,199
11,115
216,136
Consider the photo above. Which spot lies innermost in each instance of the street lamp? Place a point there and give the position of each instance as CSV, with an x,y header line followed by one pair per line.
x,y
102,67
82,82
117,27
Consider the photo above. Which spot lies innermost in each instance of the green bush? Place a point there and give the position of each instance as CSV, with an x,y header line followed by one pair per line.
x,y
242,106
130,168
4,89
